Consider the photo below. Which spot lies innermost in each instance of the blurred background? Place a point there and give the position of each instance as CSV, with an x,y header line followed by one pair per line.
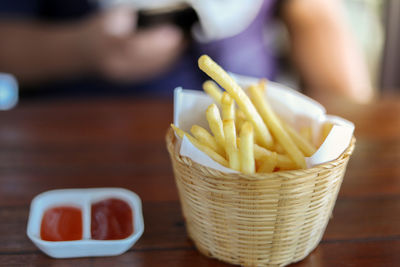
x,y
77,48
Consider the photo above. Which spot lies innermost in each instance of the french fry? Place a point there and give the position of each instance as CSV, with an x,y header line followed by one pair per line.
x,y
240,118
211,153
268,163
306,132
263,84
215,123
206,138
279,149
213,70
181,133
275,126
299,140
250,138
228,107
283,161
326,128
212,89
246,149
231,149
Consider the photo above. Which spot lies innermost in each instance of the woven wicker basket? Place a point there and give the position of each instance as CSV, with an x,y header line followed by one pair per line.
x,y
256,220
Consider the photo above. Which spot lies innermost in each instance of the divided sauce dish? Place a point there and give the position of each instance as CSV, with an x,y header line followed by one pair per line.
x,y
83,199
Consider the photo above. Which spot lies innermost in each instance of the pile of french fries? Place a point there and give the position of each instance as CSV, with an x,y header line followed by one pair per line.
x,y
248,136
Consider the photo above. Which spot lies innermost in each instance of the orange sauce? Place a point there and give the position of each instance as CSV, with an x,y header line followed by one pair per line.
x,y
111,219
62,223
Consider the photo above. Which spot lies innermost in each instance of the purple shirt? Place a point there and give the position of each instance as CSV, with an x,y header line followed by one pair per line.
x,y
247,53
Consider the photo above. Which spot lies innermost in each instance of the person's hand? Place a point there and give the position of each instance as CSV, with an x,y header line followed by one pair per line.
x,y
116,49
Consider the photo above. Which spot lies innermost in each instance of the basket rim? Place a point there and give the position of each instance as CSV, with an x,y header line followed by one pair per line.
x,y
171,142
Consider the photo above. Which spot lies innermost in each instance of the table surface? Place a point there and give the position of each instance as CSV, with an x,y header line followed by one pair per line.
x,y
52,144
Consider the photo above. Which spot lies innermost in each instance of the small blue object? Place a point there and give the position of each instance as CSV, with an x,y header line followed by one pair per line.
x,y
8,91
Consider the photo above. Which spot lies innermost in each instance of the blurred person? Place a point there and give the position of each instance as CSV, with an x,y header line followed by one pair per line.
x,y
321,47
59,46
72,46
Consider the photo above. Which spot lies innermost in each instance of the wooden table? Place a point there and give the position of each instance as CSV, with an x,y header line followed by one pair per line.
x,y
50,144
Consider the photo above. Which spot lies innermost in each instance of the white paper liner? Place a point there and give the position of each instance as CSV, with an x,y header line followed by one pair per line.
x,y
295,108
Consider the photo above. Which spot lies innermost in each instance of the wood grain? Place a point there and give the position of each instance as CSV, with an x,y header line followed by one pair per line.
x,y
120,142
367,253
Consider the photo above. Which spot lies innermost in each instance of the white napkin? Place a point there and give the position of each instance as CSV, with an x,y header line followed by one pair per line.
x,y
294,107
218,19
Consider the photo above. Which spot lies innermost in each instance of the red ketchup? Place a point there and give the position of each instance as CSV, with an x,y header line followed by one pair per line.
x,y
111,219
62,223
